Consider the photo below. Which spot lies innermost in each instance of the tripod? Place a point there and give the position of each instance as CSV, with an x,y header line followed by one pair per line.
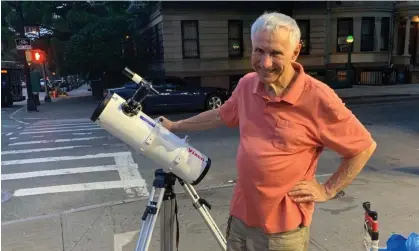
x,y
167,199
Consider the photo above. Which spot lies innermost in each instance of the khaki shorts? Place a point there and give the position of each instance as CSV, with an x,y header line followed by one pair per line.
x,y
243,238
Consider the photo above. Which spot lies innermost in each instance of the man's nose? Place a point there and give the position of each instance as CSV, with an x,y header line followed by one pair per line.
x,y
266,61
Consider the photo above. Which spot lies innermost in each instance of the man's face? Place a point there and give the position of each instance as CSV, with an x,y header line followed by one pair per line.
x,y
272,54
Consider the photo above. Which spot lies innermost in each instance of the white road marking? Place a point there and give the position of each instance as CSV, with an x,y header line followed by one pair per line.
x,y
10,133
82,187
38,136
60,128
128,170
12,138
324,175
42,149
63,121
58,125
122,239
55,141
81,133
15,176
53,131
14,113
62,158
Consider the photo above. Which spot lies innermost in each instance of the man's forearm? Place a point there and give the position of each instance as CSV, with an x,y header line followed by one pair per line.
x,y
348,170
203,121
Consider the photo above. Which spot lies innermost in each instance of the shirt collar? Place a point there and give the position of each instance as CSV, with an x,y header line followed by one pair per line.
x,y
292,93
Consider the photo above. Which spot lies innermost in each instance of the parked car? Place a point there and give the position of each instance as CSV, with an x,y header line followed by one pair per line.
x,y
176,94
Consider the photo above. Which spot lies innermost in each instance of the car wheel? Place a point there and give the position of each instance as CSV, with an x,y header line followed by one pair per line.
x,y
213,102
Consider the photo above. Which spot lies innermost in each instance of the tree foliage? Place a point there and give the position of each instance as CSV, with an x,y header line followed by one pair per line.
x,y
78,37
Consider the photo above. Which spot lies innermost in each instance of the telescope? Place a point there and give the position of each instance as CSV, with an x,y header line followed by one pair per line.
x,y
125,120
180,161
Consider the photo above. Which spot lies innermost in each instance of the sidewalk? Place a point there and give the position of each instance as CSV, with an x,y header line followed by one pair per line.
x,y
80,103
337,224
377,94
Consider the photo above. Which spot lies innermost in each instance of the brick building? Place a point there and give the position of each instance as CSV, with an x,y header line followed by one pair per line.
x,y
209,43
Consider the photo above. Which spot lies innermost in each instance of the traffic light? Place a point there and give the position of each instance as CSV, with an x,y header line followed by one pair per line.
x,y
35,56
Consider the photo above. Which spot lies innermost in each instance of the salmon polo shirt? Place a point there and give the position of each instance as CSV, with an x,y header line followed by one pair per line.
x,y
281,140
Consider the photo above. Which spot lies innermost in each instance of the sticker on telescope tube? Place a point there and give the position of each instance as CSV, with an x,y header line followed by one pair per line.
x,y
191,151
148,121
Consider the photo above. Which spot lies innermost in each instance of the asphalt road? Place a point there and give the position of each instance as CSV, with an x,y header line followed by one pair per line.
x,y
57,159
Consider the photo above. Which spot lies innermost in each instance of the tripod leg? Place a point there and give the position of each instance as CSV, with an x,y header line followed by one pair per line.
x,y
203,211
149,220
167,224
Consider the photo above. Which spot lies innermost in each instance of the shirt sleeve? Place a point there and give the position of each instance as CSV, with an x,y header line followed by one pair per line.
x,y
340,130
229,110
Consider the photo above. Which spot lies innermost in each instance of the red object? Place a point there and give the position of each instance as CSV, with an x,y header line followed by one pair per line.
x,y
35,56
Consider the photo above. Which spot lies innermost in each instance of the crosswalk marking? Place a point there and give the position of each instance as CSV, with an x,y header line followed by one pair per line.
x,y
128,171
15,176
41,139
84,187
61,158
68,130
81,133
55,141
42,149
59,125
37,129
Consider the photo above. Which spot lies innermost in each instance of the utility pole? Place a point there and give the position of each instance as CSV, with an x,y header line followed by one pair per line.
x,y
30,102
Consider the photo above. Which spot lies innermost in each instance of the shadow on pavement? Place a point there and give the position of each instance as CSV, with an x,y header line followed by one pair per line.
x,y
408,170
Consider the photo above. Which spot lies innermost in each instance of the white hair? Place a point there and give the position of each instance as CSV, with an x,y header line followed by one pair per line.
x,y
271,22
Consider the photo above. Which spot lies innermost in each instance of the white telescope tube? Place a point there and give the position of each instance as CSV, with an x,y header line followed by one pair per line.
x,y
152,139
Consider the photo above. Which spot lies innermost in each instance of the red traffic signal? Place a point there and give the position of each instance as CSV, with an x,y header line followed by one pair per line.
x,y
35,56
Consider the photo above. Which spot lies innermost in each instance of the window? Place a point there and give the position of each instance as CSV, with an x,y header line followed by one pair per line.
x,y
385,33
235,38
174,83
305,35
345,28
367,34
190,38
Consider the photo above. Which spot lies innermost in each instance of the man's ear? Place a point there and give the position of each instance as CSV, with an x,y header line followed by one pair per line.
x,y
296,52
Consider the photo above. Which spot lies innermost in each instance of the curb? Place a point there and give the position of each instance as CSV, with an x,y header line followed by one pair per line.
x,y
106,204
379,99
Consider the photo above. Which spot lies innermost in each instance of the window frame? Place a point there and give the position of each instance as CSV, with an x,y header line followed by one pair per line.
x,y
350,32
182,25
368,41
240,38
301,22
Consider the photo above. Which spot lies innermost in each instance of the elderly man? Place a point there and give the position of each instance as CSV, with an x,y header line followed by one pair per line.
x,y
285,118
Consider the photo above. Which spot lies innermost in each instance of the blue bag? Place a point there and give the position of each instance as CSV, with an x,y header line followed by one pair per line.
x,y
412,242
397,242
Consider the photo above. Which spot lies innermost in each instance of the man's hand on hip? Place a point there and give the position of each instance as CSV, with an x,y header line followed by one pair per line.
x,y
309,191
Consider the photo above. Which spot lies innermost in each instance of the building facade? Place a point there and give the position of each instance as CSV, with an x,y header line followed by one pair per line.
x,y
210,44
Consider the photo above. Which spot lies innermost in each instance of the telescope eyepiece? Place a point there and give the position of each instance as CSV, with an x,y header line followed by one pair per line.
x,y
127,72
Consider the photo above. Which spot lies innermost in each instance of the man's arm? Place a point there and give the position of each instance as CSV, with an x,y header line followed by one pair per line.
x,y
348,169
342,132
203,121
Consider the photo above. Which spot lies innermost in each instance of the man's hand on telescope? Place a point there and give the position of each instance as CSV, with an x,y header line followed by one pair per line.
x,y
168,124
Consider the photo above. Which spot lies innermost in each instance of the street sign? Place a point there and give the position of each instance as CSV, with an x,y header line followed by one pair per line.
x,y
23,44
32,30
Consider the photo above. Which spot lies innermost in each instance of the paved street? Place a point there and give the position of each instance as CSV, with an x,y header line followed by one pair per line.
x,y
65,161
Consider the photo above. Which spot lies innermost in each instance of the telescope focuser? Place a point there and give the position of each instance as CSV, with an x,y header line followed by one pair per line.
x,y
133,104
